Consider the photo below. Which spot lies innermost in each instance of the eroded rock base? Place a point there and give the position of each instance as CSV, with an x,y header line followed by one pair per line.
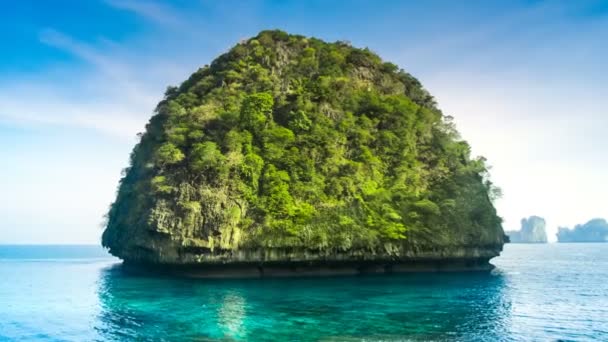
x,y
308,269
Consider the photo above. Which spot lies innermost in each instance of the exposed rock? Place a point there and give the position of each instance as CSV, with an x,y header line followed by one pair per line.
x,y
595,230
290,153
532,231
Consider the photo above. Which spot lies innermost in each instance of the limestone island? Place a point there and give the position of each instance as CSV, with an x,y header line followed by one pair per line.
x,y
532,231
289,155
595,230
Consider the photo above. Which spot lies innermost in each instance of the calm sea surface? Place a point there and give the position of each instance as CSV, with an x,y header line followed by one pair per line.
x,y
78,293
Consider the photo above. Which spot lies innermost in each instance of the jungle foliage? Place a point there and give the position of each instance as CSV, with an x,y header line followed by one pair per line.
x,y
291,142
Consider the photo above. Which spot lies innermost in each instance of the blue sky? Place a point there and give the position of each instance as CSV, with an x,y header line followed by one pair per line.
x,y
527,82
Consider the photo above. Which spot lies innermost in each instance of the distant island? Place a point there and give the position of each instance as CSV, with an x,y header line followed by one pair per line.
x,y
595,230
532,231
290,155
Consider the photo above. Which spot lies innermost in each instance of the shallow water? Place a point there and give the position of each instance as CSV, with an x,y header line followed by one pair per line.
x,y
537,292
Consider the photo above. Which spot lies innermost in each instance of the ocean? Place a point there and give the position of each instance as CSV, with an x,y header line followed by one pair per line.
x,y
552,292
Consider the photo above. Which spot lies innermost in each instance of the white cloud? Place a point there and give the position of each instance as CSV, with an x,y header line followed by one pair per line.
x,y
49,109
110,91
156,12
118,74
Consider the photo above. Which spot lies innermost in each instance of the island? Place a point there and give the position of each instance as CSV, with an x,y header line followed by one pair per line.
x,y
288,155
532,231
596,230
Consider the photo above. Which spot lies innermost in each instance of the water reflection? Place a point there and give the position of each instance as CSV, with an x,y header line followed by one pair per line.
x,y
415,307
231,314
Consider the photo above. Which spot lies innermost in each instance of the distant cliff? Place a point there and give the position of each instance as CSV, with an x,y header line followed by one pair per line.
x,y
595,230
532,231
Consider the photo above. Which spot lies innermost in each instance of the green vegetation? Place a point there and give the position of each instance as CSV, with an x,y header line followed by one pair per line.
x,y
290,142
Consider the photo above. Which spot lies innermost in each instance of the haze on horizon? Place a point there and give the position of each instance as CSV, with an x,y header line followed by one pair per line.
x,y
525,80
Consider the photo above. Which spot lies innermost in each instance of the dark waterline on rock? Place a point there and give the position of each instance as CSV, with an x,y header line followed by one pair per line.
x,y
537,292
310,269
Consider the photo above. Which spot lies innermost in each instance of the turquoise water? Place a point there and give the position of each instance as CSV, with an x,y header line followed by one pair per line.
x,y
538,292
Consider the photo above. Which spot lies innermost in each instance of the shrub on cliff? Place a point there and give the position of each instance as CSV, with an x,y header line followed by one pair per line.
x,y
292,142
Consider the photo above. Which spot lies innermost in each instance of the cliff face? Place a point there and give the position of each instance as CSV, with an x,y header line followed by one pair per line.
x,y
595,230
289,149
532,231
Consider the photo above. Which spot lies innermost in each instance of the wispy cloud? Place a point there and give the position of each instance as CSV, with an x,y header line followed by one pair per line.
x,y
101,98
53,109
112,92
107,65
153,11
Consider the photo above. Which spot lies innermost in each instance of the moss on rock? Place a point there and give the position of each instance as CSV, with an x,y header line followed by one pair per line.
x,y
288,145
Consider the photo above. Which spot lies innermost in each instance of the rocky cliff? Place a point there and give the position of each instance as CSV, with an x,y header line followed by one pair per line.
x,y
532,231
595,230
290,152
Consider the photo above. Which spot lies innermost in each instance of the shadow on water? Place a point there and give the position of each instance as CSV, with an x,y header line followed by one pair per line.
x,y
462,306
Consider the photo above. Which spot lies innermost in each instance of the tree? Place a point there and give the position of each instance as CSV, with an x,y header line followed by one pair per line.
x,y
303,144
256,111
169,154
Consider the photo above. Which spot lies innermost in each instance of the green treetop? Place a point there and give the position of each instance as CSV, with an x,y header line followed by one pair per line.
x,y
291,142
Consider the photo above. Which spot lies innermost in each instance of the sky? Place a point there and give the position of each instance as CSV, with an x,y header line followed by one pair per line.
x,y
527,83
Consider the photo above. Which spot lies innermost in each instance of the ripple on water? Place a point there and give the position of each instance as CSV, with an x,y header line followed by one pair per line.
x,y
537,292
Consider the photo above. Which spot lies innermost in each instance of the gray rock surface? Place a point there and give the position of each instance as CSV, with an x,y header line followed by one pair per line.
x,y
595,230
532,231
